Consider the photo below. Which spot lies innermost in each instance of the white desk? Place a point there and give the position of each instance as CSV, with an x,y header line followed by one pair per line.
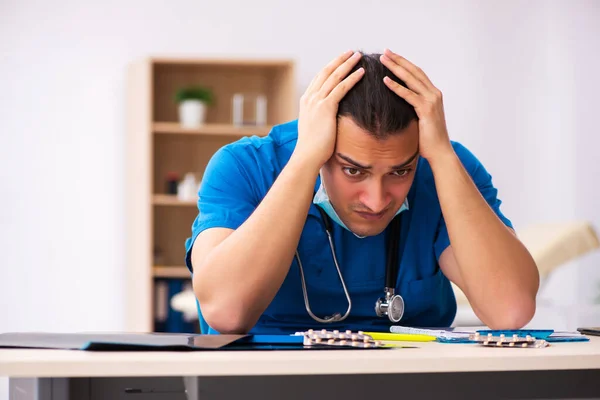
x,y
452,370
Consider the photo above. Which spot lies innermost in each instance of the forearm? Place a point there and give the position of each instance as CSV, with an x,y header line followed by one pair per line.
x,y
240,277
498,274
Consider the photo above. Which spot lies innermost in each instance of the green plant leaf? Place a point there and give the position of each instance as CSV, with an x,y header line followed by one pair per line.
x,y
201,93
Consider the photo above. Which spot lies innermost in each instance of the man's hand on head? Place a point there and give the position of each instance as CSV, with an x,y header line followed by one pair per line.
x,y
425,98
317,122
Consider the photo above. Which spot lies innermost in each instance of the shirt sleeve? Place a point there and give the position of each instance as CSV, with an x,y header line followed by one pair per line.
x,y
483,181
225,198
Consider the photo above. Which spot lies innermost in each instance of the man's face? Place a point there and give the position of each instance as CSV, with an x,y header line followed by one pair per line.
x,y
367,179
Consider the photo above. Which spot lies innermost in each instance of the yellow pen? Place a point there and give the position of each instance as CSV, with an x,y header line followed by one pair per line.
x,y
401,337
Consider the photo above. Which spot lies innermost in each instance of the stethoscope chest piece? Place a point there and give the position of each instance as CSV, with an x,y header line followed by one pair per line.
x,y
392,306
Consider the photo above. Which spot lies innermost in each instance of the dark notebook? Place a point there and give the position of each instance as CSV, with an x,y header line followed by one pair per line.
x,y
155,342
116,341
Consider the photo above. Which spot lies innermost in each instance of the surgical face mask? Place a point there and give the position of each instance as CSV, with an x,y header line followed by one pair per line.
x,y
322,199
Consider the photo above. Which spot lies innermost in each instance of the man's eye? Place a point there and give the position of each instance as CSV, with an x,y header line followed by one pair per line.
x,y
351,171
402,172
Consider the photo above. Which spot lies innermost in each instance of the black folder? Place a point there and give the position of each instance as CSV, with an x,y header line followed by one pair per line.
x,y
116,341
155,342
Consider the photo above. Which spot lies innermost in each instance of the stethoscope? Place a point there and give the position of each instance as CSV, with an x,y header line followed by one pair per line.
x,y
391,304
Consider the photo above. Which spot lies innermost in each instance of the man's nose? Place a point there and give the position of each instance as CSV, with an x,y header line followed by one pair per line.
x,y
375,198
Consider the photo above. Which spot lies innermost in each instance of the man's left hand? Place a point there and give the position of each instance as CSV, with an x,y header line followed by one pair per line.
x,y
425,98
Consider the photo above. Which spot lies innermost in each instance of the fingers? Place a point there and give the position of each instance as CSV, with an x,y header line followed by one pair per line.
x,y
322,76
338,93
401,72
340,73
411,97
416,71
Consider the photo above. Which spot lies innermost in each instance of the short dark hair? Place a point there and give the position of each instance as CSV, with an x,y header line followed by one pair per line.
x,y
372,105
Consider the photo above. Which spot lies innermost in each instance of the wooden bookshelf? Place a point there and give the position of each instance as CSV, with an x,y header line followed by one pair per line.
x,y
158,223
171,200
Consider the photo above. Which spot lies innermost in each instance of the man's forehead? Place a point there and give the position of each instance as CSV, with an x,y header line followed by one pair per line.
x,y
364,147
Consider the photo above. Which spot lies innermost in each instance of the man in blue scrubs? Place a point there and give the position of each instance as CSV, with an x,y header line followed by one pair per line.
x,y
370,145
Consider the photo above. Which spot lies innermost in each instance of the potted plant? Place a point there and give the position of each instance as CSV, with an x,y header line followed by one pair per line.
x,y
192,103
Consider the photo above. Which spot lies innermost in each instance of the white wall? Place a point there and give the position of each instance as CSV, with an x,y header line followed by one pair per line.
x,y
520,82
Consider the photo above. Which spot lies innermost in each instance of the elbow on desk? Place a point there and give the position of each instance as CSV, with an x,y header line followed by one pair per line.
x,y
514,315
226,319
221,312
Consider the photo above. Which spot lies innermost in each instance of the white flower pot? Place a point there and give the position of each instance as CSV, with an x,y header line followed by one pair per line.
x,y
192,113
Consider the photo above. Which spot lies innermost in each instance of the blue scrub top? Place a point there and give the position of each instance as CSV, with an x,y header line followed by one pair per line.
x,y
239,175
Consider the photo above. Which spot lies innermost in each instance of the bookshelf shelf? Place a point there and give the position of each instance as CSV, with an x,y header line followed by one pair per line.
x,y
171,200
174,128
163,271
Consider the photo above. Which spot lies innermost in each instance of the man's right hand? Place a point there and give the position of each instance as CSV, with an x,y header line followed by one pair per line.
x,y
317,123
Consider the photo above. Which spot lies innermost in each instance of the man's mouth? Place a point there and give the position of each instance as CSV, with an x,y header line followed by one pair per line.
x,y
371,216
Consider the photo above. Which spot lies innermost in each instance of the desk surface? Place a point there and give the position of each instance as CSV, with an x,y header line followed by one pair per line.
x,y
428,357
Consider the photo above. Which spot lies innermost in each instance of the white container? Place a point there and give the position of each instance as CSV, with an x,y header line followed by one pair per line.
x,y
187,189
238,109
261,110
249,109
192,113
